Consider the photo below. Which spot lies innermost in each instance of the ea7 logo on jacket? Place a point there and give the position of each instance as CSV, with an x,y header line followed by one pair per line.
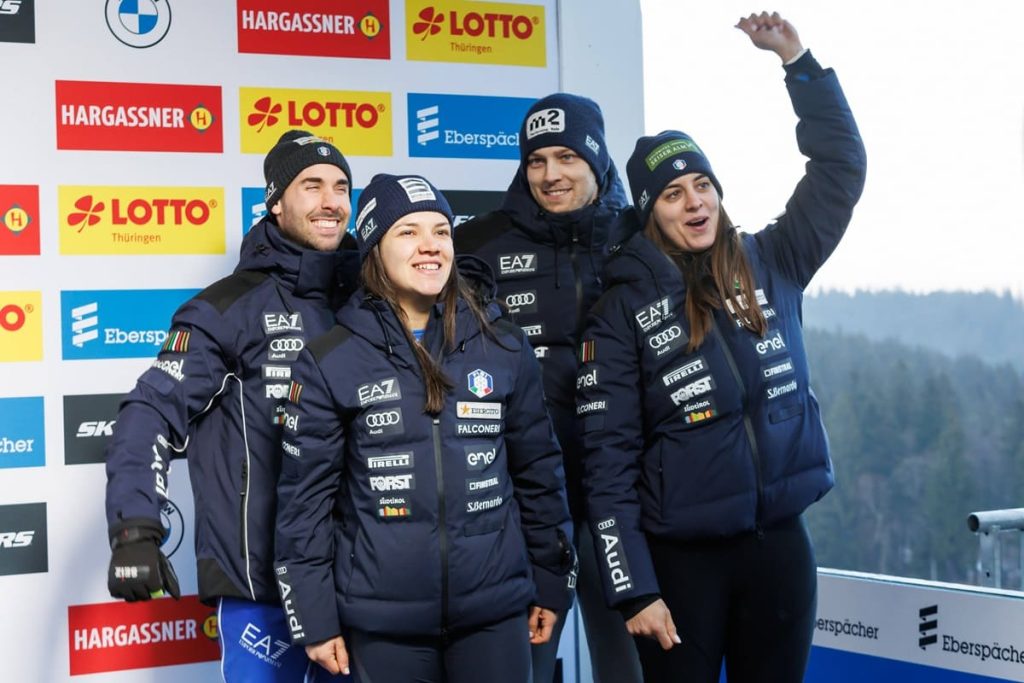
x,y
377,392
279,323
693,389
512,265
654,314
392,482
614,558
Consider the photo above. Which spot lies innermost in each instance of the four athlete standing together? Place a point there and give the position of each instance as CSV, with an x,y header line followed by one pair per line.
x,y
410,453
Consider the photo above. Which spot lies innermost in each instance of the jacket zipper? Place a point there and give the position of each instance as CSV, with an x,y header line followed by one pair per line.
x,y
442,528
576,273
748,426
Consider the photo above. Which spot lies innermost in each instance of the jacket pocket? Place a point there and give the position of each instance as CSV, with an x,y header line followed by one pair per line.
x,y
785,413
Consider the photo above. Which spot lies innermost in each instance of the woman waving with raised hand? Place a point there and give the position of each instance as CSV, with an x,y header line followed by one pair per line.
x,y
704,443
423,530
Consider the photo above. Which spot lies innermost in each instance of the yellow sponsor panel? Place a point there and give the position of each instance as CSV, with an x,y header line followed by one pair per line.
x,y
475,32
141,220
21,326
358,123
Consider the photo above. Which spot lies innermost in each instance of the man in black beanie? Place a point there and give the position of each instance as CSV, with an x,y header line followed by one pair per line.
x,y
215,394
547,245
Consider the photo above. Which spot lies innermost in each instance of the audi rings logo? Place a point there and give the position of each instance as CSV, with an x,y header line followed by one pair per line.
x,y
291,344
665,337
285,348
384,419
521,299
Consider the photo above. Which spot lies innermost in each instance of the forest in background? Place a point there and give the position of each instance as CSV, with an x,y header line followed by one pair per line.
x,y
923,399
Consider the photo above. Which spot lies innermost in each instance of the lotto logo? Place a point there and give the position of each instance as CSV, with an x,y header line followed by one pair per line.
x,y
21,326
141,220
463,31
357,122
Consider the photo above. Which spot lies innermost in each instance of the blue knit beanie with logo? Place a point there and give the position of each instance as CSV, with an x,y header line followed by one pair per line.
x,y
389,197
659,159
564,120
294,152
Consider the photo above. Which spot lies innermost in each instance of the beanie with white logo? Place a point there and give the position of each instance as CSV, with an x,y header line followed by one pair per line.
x,y
294,152
564,120
389,197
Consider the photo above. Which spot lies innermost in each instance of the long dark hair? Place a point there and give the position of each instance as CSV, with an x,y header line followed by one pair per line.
x,y
719,274
436,383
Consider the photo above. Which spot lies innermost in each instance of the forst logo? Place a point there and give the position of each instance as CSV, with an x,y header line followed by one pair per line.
x,y
461,31
358,122
19,224
141,220
138,117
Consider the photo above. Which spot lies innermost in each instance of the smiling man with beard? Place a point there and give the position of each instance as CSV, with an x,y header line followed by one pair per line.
x,y
216,395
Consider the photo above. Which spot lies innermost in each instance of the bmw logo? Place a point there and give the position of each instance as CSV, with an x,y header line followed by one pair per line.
x,y
174,526
139,23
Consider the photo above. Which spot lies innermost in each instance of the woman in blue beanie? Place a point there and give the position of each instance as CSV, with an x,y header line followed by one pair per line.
x,y
704,443
423,530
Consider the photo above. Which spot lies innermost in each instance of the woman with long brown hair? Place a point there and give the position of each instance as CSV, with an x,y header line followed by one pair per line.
x,y
704,443
423,531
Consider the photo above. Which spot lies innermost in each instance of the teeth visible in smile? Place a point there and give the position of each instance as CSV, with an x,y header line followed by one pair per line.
x,y
427,266
325,223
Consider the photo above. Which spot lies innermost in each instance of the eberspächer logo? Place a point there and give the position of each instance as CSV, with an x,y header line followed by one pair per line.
x,y
22,437
126,323
465,126
139,23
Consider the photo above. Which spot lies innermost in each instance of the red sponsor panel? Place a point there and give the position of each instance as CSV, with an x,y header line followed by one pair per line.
x,y
139,117
19,220
116,636
317,28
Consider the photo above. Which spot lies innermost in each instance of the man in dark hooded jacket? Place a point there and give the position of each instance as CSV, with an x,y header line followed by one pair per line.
x,y
216,394
547,245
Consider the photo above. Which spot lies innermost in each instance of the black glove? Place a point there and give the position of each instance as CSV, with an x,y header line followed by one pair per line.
x,y
138,570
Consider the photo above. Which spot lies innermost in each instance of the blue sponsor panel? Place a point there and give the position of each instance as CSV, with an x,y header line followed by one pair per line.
x,y
828,665
22,437
254,208
465,126
123,323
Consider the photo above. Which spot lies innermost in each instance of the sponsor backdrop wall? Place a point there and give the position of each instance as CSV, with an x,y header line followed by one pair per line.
x,y
132,140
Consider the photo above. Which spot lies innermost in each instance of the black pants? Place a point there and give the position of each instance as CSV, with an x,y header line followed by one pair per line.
x,y
499,653
750,599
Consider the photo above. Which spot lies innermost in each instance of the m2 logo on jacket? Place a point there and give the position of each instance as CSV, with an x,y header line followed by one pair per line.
x,y
379,391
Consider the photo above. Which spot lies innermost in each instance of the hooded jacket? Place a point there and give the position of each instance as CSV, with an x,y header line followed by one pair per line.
x,y
729,438
548,269
215,395
418,524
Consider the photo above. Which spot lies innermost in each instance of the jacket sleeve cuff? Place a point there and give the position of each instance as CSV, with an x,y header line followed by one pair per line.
x,y
634,606
554,591
805,68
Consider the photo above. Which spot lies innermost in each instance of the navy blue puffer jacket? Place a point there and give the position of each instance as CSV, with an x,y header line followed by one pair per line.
x,y
727,438
418,524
